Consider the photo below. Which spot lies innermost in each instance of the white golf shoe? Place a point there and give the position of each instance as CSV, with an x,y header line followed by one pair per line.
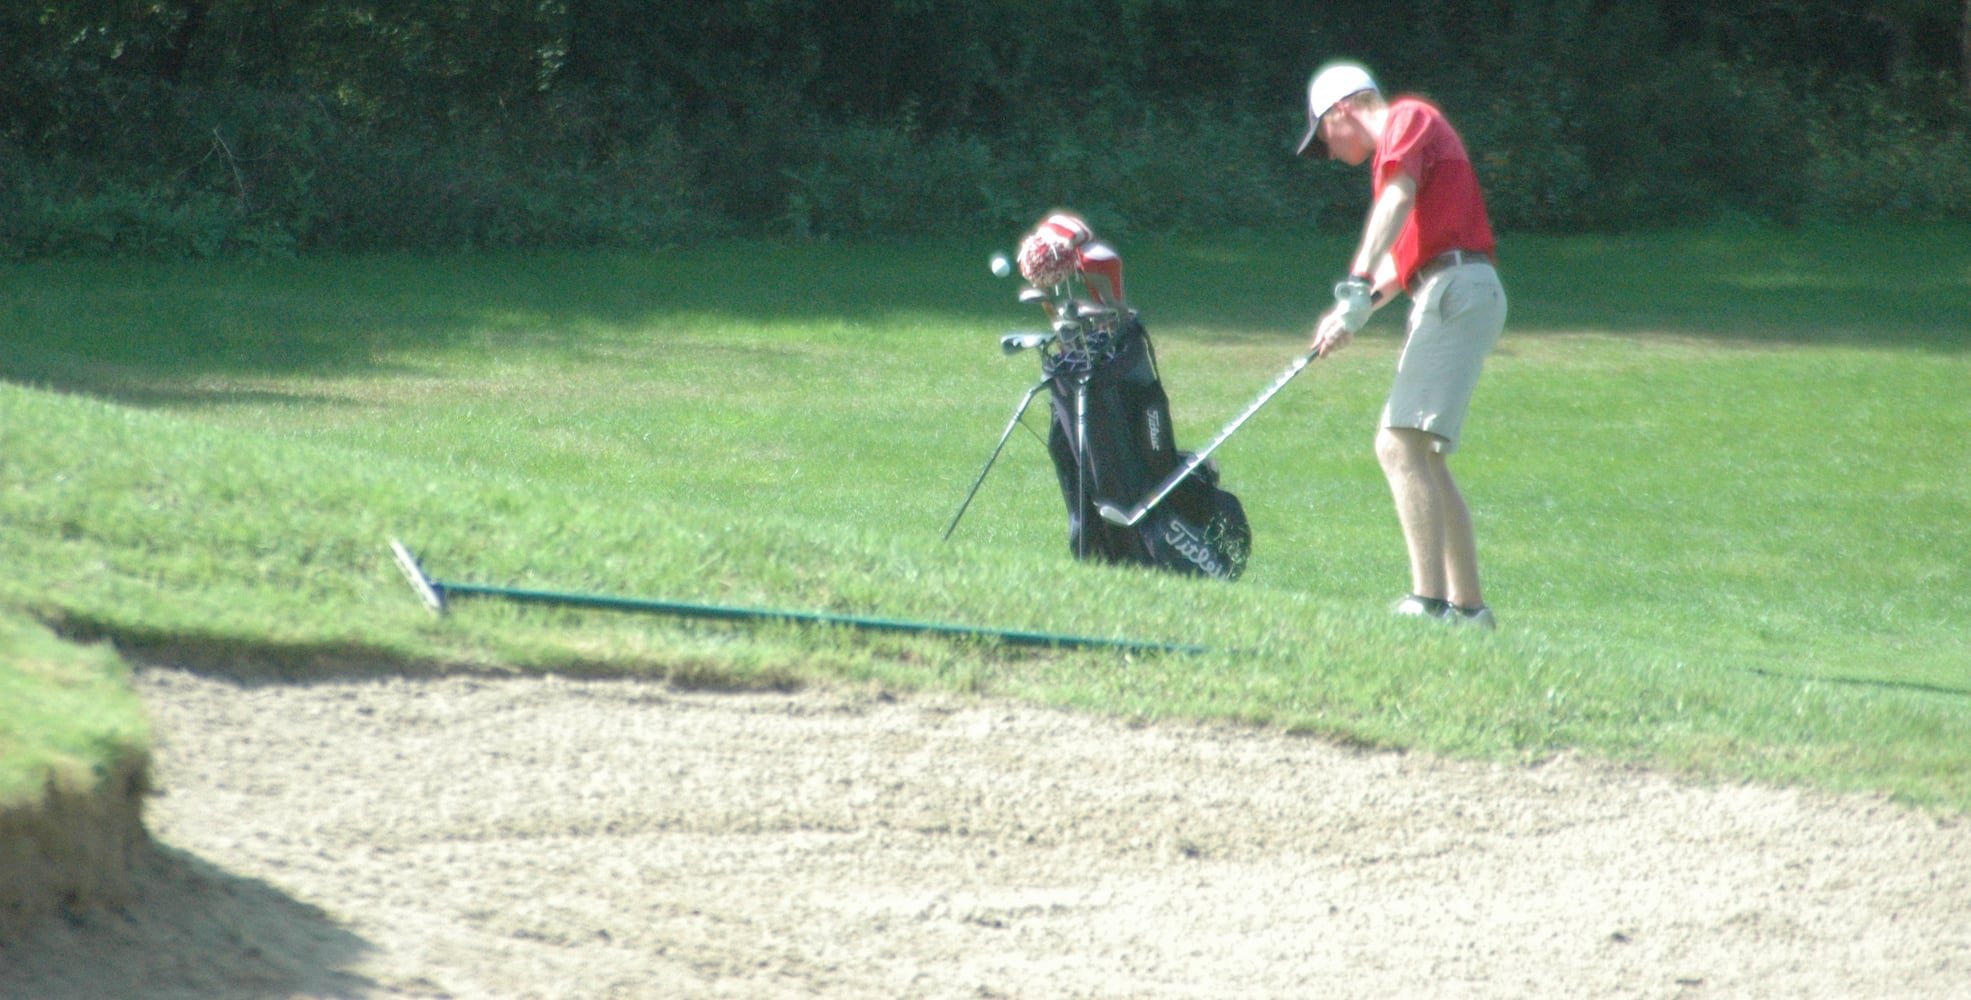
x,y
1412,606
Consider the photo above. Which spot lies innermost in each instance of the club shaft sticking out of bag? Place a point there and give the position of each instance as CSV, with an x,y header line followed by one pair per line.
x,y
1117,515
1018,412
1081,460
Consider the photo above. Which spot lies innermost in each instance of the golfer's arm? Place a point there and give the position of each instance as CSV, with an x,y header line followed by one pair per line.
x,y
1383,281
1386,219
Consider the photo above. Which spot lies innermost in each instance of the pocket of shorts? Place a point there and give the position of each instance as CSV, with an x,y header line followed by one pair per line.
x,y
1453,297
1457,295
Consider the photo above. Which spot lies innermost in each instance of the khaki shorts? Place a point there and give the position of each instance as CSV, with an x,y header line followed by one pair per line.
x,y
1457,316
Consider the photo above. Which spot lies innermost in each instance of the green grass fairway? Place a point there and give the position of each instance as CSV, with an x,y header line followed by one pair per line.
x,y
1716,477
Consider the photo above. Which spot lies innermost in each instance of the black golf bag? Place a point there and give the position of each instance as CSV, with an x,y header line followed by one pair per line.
x,y
1111,440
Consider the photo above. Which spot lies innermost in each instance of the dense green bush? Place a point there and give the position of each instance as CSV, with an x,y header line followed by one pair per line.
x,y
183,128
897,178
1877,157
1530,160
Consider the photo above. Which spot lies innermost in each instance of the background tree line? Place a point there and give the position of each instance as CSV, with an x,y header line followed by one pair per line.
x,y
252,126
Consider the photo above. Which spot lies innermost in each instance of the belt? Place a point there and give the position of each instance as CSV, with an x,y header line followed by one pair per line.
x,y
1449,258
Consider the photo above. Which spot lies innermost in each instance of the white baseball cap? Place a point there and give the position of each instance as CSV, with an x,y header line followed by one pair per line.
x,y
1335,81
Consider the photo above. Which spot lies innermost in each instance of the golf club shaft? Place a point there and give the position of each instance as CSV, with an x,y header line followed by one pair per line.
x,y
1081,461
1116,515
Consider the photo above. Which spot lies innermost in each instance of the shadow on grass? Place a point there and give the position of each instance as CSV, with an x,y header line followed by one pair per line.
x,y
108,328
1900,286
255,662
96,326
1861,682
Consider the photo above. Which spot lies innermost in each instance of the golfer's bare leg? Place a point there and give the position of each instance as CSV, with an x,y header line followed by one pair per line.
x,y
1460,543
1414,485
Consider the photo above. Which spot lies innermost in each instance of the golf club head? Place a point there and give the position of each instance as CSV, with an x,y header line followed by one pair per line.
x,y
1114,515
1023,340
1032,294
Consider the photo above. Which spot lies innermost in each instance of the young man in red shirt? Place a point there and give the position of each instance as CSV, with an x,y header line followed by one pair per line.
x,y
1428,235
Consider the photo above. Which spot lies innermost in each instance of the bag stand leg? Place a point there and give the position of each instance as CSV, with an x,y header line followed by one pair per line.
x,y
1018,412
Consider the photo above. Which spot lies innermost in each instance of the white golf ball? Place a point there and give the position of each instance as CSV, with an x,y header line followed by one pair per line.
x,y
1001,266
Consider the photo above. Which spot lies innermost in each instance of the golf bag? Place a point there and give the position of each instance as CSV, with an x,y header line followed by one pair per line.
x,y
1110,435
1111,440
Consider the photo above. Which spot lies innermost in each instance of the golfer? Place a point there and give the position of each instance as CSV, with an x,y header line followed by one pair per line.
x,y
1428,235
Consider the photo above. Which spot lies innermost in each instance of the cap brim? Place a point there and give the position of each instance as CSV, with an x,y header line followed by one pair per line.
x,y
1311,140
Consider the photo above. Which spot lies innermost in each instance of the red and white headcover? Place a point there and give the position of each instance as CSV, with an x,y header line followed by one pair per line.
x,y
1068,227
1047,255
1046,261
1101,258
1062,246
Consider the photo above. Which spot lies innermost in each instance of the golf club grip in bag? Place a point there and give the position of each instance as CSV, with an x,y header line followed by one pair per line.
x,y
1111,439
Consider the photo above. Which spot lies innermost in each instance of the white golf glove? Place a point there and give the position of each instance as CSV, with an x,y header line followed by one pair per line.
x,y
1353,303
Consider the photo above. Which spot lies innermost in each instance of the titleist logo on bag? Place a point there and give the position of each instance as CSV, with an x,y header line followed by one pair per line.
x,y
1192,546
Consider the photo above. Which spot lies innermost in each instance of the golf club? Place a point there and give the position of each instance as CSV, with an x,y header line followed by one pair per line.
x,y
1116,515
1013,343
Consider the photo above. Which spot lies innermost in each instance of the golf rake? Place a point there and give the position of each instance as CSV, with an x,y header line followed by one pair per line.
x,y
438,595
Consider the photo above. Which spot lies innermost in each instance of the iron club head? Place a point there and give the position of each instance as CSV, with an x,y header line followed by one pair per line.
x,y
1014,343
1114,514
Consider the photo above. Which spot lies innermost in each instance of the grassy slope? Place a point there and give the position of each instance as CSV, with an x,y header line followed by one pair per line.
x,y
1712,506
69,712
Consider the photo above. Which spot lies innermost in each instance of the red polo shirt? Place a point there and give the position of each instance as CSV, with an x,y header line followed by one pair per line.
x,y
1450,210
